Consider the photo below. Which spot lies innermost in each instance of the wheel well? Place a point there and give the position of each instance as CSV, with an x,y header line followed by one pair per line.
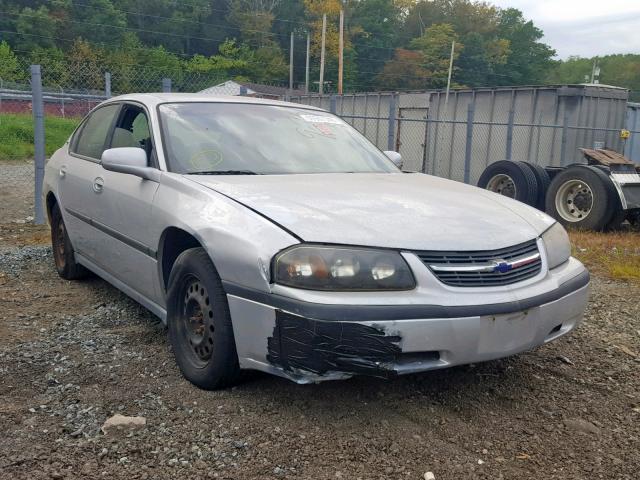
x,y
51,201
174,242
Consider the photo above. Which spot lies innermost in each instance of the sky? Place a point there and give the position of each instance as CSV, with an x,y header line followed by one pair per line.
x,y
584,27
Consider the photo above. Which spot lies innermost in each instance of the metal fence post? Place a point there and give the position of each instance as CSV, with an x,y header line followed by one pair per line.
x,y
332,104
565,133
166,85
38,140
471,108
391,128
508,153
243,91
107,84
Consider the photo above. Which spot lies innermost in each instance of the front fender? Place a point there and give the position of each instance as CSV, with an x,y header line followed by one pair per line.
x,y
239,241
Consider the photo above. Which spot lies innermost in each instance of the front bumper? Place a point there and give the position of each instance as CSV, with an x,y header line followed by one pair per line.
x,y
309,343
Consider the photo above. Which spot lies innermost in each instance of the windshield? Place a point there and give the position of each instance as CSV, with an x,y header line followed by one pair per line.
x,y
237,138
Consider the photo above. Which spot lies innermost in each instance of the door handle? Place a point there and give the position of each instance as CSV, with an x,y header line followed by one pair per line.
x,y
63,171
98,183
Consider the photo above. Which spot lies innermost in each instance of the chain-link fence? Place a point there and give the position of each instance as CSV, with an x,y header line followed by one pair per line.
x,y
454,136
66,93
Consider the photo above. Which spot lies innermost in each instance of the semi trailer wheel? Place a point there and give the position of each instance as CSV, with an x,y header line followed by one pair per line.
x,y
511,179
543,181
582,197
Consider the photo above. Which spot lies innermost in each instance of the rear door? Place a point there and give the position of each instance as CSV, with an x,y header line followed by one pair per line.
x,y
77,173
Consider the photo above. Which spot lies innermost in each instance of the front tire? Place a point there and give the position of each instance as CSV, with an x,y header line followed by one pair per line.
x,y
200,329
63,254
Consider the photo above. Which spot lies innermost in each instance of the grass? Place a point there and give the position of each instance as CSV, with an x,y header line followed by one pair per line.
x,y
614,254
16,135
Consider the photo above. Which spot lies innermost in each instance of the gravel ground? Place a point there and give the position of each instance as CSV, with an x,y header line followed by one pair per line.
x,y
16,191
72,354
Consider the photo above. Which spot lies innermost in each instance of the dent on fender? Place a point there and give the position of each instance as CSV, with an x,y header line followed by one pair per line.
x,y
305,346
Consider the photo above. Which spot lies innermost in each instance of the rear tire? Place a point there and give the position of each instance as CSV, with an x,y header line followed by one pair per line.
x,y
63,253
511,179
543,181
583,198
200,329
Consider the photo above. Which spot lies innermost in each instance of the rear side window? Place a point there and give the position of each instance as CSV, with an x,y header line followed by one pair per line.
x,y
93,135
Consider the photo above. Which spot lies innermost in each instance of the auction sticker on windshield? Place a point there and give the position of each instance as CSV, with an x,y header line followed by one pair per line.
x,y
321,119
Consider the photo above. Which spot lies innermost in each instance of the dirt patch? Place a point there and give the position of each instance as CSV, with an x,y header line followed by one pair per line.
x,y
72,354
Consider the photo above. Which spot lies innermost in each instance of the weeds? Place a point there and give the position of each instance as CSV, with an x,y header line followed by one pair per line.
x,y
615,254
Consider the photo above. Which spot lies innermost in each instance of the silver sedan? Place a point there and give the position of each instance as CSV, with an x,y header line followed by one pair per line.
x,y
275,237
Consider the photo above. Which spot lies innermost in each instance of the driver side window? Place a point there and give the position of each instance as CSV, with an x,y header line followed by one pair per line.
x,y
92,136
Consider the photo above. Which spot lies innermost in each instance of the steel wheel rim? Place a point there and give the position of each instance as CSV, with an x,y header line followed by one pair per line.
x,y
196,321
574,200
502,184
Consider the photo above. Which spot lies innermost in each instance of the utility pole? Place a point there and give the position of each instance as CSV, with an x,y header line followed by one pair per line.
x,y
306,72
291,65
446,96
324,34
595,72
341,53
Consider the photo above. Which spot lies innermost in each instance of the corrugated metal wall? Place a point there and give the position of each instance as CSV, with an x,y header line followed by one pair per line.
x,y
475,127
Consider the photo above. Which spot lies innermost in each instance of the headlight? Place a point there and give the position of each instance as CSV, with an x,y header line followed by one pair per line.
x,y
557,245
337,268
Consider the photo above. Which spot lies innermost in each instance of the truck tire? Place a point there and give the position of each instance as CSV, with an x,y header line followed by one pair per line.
x,y
200,329
511,179
543,181
582,197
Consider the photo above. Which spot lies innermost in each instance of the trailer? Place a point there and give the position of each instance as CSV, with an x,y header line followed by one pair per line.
x,y
599,194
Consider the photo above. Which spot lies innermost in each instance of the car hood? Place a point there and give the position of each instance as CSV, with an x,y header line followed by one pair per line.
x,y
406,211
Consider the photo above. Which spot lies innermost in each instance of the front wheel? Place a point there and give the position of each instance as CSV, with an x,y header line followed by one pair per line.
x,y
200,330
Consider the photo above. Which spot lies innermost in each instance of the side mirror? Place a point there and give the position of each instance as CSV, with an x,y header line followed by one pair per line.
x,y
395,157
129,160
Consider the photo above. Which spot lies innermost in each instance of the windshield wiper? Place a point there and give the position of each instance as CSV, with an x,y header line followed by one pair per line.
x,y
224,172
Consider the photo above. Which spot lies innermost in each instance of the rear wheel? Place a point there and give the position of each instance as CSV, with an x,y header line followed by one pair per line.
x,y
511,179
63,254
581,197
200,329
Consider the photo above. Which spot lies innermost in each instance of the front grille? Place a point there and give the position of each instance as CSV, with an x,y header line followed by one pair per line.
x,y
484,268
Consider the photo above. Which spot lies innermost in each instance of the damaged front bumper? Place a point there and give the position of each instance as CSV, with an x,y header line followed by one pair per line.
x,y
309,342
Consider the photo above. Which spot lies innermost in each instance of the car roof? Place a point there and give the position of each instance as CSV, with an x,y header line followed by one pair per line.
x,y
154,99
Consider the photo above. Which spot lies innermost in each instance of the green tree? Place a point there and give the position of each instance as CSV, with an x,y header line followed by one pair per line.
x,y
375,40
35,28
435,47
53,63
404,71
9,65
529,60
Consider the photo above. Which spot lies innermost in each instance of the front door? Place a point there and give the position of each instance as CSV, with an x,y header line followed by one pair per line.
x,y
123,208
